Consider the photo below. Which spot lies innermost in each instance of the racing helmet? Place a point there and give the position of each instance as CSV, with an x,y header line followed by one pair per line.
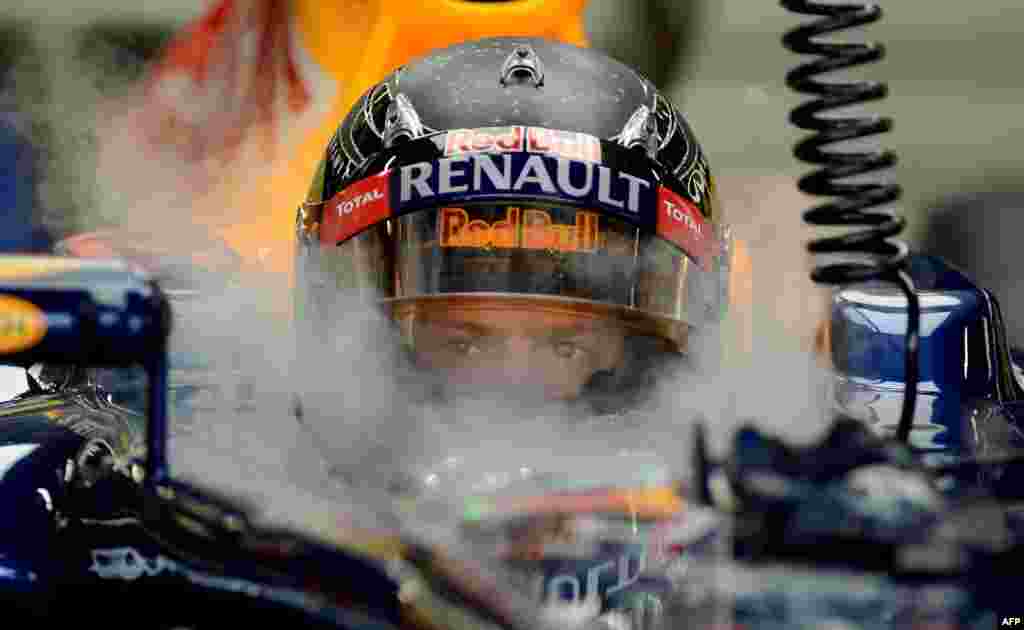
x,y
531,218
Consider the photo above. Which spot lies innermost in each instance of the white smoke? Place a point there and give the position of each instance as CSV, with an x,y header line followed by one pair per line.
x,y
360,400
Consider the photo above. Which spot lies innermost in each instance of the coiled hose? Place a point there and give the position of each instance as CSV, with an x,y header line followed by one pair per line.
x,y
855,205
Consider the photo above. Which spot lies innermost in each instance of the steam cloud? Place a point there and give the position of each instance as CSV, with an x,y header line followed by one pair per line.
x,y
358,395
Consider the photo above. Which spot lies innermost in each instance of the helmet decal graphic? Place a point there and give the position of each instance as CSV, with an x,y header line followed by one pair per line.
x,y
402,122
513,173
641,131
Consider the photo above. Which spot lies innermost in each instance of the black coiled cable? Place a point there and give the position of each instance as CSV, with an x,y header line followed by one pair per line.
x,y
885,259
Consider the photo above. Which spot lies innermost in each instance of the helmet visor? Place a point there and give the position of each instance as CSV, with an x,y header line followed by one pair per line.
x,y
594,261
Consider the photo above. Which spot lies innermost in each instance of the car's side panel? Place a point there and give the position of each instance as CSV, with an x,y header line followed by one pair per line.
x,y
33,492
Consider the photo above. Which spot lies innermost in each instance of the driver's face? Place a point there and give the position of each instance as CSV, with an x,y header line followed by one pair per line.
x,y
547,354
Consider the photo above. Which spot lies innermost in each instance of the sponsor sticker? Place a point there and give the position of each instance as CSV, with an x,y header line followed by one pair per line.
x,y
485,177
555,142
567,144
522,228
680,222
473,175
486,140
357,207
22,324
590,580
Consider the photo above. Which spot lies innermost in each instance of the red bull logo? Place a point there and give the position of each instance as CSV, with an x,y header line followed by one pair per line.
x,y
529,228
488,140
567,144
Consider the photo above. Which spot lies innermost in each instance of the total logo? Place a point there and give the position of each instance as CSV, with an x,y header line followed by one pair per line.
x,y
680,215
347,206
359,206
680,222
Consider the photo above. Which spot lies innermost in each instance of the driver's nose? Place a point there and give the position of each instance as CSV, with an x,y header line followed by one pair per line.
x,y
508,362
512,369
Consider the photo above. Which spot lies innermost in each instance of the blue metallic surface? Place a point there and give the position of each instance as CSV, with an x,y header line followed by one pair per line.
x,y
96,313
33,454
965,371
69,512
156,430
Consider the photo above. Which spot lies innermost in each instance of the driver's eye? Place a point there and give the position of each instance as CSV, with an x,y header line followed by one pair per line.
x,y
567,350
464,348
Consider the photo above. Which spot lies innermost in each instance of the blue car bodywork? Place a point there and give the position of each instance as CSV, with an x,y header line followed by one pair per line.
x,y
91,522
968,398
